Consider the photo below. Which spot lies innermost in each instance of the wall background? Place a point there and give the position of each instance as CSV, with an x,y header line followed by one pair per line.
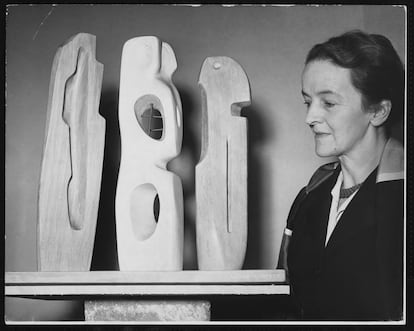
x,y
270,43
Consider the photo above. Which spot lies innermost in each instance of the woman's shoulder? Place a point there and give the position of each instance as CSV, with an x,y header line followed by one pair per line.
x,y
322,174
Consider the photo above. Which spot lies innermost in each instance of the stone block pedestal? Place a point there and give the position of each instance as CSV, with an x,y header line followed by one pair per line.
x,y
147,310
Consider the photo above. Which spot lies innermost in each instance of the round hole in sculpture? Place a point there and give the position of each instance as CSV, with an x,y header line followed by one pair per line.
x,y
144,209
149,114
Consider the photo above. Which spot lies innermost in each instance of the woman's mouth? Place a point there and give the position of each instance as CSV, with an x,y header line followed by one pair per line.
x,y
320,134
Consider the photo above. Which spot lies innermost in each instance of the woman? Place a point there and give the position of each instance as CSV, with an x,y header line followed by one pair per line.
x,y
343,244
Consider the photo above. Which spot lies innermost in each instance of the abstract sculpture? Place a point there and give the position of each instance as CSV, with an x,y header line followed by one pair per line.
x,y
73,151
149,198
221,174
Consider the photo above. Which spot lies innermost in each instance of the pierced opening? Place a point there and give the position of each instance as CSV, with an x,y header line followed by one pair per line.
x,y
148,112
156,208
145,210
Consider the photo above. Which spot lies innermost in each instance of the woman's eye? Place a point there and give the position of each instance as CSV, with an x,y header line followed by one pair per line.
x,y
328,104
306,103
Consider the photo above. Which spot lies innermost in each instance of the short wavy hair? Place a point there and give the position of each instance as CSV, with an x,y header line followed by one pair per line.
x,y
376,69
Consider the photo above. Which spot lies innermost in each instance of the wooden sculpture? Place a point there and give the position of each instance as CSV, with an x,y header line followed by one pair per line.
x,y
221,174
149,198
73,151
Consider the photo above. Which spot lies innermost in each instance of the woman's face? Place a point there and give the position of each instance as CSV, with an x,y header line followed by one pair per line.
x,y
334,109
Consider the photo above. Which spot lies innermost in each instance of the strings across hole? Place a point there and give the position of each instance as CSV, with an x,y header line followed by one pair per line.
x,y
151,122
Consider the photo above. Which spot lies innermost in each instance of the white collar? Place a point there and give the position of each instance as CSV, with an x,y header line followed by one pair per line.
x,y
335,193
335,213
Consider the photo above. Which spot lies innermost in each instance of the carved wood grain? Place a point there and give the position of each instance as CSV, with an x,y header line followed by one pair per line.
x,y
221,174
72,159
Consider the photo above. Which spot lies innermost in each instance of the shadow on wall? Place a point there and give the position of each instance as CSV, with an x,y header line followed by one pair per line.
x,y
256,136
105,250
186,162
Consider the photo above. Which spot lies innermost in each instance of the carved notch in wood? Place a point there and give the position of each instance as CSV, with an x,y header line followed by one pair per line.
x,y
221,174
72,159
75,113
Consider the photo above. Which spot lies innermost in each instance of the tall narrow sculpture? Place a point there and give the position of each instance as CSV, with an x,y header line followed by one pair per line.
x,y
73,151
149,198
221,174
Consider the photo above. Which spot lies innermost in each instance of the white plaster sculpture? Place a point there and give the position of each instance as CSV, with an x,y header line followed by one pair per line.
x,y
221,174
147,96
73,152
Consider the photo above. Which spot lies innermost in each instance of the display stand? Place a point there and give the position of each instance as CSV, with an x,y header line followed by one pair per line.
x,y
145,296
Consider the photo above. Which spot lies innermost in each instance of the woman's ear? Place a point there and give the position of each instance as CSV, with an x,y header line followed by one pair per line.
x,y
380,113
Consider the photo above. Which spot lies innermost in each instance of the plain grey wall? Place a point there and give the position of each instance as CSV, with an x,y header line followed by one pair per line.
x,y
269,42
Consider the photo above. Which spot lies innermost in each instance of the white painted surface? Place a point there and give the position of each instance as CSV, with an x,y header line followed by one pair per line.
x,y
144,244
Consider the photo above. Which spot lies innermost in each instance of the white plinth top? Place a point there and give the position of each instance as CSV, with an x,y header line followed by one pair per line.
x,y
181,283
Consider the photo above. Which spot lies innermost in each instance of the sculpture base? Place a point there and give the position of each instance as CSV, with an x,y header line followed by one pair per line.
x,y
147,310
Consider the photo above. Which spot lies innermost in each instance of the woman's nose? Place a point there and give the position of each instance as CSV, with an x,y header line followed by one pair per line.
x,y
314,114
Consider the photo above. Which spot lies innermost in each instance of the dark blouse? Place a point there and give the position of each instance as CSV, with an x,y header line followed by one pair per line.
x,y
358,275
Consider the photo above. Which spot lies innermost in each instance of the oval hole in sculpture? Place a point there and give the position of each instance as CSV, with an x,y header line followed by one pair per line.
x,y
144,209
149,114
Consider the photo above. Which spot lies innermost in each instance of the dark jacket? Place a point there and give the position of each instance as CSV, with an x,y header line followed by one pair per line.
x,y
358,275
